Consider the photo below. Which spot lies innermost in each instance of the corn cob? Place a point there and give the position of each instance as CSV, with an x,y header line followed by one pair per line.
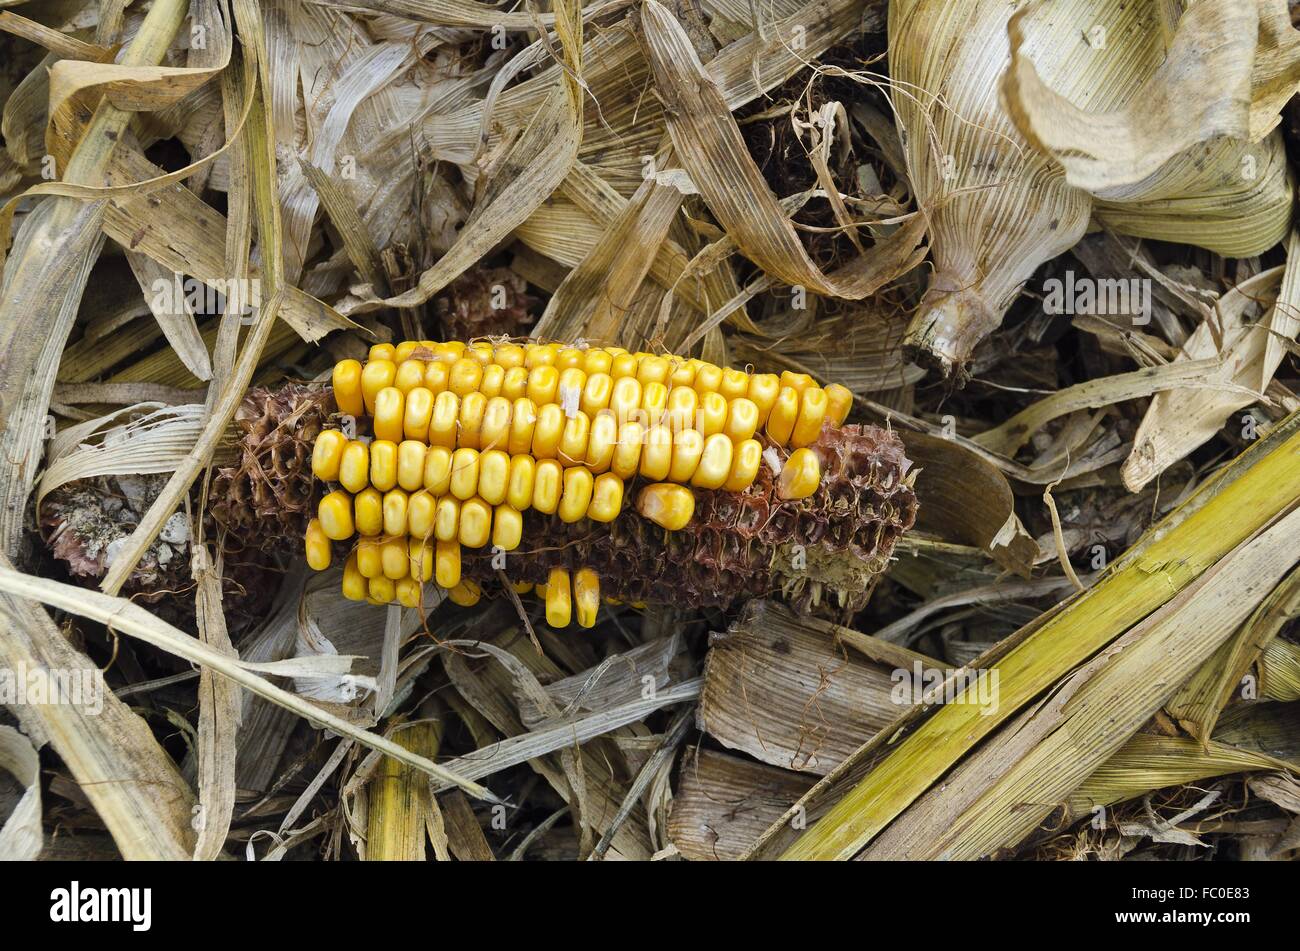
x,y
525,446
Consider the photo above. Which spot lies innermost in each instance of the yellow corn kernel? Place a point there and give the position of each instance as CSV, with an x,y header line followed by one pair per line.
x,y
383,464
493,476
683,404
523,421
327,453
466,594
688,446
446,564
390,410
408,593
763,389
548,431
383,351
377,375
409,375
667,504
797,381
683,373
515,384
708,378
785,411
508,356
335,513
627,454
606,498
480,351
495,430
839,401
574,438
317,546
419,410
393,556
420,553
575,498
347,387
713,413
450,350
540,354
625,398
601,442
597,360
623,365
465,376
404,350
435,377
596,393
507,527
411,455
519,490
812,412
559,604
568,390
494,378
800,475
586,596
542,384
715,462
470,423
395,508
420,509
355,587
382,590
354,466
442,424
569,358
464,473
652,369
446,519
547,480
746,459
654,400
540,591
475,523
742,420
522,587
368,511
657,454
734,384
369,563
437,470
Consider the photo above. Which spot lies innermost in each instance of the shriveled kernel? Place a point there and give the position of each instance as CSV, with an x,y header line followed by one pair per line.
x,y
466,594
713,413
657,454
420,553
495,431
548,431
317,546
586,596
446,519
383,464
627,455
734,384
411,454
465,376
515,384
335,514
763,390
688,446
382,351
667,504
839,402
547,481
519,492
522,587
745,461
780,422
575,498
420,510
377,375
382,589
606,498
812,412
393,556
395,509
507,527
625,398
800,475
409,375
574,438
437,470
390,410
408,592
523,421
596,393
368,511
369,562
419,410
446,564
327,453
475,523
355,587
602,442
347,387
542,384
443,422
742,420
470,422
715,462
493,476
559,606
464,473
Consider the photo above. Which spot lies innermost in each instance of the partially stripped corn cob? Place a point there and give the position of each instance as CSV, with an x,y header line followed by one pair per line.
x,y
481,449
